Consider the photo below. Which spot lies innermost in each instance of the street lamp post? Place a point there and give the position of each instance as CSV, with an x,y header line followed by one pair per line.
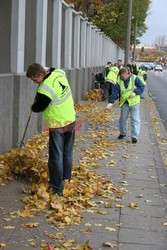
x,y
134,45
128,32
135,31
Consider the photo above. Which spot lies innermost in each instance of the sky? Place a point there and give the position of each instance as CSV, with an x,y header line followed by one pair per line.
x,y
156,22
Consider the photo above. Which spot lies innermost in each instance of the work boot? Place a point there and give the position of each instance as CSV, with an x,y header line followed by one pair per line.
x,y
121,136
134,140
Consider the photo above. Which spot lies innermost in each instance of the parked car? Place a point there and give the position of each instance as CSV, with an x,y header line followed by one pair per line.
x,y
158,67
152,65
148,66
144,66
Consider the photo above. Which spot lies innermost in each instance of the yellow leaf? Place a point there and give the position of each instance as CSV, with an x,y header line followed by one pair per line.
x,y
110,229
119,206
79,247
2,244
44,245
68,192
133,205
25,214
103,212
33,244
139,196
31,224
86,246
68,220
8,227
69,243
165,224
107,205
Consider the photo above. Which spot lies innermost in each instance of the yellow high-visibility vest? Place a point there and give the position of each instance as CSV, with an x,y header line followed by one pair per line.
x,y
125,93
60,112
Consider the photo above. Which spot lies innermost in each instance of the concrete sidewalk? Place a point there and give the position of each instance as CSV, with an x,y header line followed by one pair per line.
x,y
132,221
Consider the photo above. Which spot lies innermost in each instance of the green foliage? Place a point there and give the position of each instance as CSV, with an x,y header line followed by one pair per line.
x,y
111,16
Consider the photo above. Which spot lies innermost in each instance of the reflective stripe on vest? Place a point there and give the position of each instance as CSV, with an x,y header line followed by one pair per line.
x,y
54,96
62,99
112,75
47,88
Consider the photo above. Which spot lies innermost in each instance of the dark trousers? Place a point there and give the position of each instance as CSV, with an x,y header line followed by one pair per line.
x,y
107,90
61,142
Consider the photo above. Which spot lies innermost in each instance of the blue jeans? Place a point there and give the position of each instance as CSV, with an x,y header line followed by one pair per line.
x,y
134,117
61,142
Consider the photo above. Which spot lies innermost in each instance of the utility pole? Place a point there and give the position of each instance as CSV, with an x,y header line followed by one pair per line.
x,y
134,44
128,32
135,31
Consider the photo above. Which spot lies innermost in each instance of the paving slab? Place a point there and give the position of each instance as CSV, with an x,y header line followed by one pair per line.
x,y
138,168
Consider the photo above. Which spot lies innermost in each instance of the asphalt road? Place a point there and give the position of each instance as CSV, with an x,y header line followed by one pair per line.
x,y
157,83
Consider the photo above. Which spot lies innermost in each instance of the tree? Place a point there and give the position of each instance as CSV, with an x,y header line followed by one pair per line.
x,y
160,41
88,7
111,15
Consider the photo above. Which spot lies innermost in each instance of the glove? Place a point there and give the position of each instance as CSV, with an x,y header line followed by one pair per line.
x,y
109,105
133,94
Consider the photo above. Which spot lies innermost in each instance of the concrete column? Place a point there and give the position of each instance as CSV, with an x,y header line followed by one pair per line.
x,y
17,36
41,31
77,30
97,41
56,38
88,45
101,49
68,38
93,47
104,49
83,43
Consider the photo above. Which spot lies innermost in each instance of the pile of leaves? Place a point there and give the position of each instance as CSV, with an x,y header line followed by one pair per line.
x,y
85,108
93,95
31,162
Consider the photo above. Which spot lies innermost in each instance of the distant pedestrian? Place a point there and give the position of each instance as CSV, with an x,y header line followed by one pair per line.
x,y
54,100
107,69
120,64
110,80
142,74
135,68
128,88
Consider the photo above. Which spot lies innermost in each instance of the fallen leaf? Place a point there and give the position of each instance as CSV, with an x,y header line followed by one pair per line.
x,y
86,246
108,244
2,244
139,196
119,206
31,224
88,224
110,229
133,205
148,201
103,212
8,227
98,225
